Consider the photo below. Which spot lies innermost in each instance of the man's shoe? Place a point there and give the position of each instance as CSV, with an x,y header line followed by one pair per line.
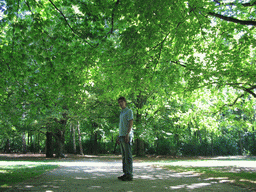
x,y
121,177
127,178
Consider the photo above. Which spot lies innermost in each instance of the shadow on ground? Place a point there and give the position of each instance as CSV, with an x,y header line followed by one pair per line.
x,y
100,175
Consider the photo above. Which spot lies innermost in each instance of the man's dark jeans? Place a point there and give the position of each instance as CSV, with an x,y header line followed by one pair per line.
x,y
126,156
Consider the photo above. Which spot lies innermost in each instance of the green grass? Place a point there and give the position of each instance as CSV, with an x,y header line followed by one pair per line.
x,y
234,175
11,174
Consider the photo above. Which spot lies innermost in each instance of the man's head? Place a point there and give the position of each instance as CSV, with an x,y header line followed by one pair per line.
x,y
122,102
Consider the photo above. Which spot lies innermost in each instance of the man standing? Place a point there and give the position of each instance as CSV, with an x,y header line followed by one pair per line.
x,y
125,138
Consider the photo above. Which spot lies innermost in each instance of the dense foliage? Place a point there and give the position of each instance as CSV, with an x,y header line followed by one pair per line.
x,y
187,69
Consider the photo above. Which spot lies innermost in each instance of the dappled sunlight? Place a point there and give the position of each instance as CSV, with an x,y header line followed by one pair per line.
x,y
216,178
198,185
238,157
178,186
238,164
227,181
194,186
247,180
29,186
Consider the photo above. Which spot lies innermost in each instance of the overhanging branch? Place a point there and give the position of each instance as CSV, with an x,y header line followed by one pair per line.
x,y
113,14
112,21
232,104
249,90
249,4
65,18
234,20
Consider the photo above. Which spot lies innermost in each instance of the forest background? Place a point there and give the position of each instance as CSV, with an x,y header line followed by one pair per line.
x,y
187,69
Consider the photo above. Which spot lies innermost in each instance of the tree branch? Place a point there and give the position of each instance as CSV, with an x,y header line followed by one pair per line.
x,y
249,90
179,63
113,14
243,4
234,20
232,104
27,3
65,18
7,64
13,39
112,22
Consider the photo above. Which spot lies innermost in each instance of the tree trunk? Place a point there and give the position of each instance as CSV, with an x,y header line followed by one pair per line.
x,y
24,145
240,144
38,143
7,146
80,139
49,145
212,151
28,138
34,143
140,147
95,144
114,151
139,142
74,139
253,150
177,144
59,137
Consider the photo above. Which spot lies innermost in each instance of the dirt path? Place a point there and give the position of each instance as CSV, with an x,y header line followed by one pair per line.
x,y
101,175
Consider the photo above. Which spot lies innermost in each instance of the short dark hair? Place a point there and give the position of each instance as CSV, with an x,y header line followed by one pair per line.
x,y
122,98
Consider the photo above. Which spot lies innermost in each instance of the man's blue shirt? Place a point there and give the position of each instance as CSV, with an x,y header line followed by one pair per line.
x,y
125,116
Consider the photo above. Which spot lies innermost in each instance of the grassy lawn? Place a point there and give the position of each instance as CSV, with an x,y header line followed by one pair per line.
x,y
14,173
234,175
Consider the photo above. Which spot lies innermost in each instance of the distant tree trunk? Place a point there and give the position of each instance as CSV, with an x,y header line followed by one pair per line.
x,y
95,144
177,142
28,139
74,139
80,139
115,146
212,151
240,143
24,145
253,149
49,145
199,136
7,146
38,143
34,143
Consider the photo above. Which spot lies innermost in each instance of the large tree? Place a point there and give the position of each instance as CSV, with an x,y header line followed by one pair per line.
x,y
55,53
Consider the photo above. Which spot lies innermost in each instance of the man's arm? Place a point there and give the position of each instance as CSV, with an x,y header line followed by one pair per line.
x,y
128,131
130,126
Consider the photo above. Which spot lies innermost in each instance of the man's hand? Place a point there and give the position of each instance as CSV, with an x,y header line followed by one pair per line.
x,y
126,138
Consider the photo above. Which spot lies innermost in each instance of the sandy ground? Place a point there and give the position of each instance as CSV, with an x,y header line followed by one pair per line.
x,y
92,174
